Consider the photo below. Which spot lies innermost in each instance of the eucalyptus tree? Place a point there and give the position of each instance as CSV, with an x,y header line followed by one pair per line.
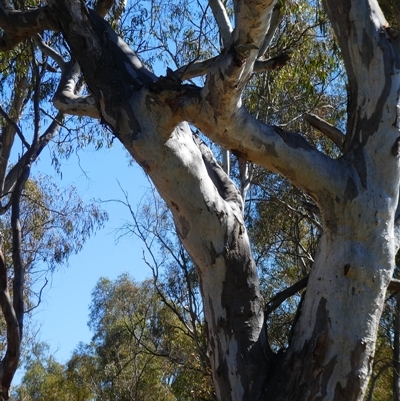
x,y
139,349
332,346
38,222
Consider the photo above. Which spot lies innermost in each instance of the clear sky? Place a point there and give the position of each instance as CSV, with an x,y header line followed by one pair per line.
x,y
63,313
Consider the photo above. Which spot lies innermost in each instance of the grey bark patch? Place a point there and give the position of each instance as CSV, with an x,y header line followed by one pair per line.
x,y
240,325
184,226
360,165
294,140
367,53
352,390
351,190
270,149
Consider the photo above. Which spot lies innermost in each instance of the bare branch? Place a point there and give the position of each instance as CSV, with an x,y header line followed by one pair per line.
x,y
276,18
200,68
66,99
282,296
15,126
394,285
221,16
333,133
49,51
39,296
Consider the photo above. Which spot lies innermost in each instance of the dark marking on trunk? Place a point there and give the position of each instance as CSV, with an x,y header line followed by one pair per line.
x,y
346,268
213,253
184,226
243,308
370,126
351,191
396,146
353,386
305,375
360,165
174,205
294,140
270,149
367,53
221,368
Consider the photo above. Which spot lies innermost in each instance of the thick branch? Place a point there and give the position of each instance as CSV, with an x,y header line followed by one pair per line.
x,y
280,151
226,188
275,20
66,99
18,25
112,72
200,68
102,7
228,76
360,25
334,134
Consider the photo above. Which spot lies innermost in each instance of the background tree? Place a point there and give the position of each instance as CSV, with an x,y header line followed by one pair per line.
x,y
140,348
30,210
52,225
46,379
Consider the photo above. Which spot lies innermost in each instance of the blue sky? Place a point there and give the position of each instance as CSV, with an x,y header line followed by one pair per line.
x,y
63,313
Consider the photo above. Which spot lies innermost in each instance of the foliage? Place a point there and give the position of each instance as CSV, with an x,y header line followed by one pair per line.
x,y
139,348
47,380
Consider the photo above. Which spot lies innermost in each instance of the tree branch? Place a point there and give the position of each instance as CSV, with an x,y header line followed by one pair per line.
x,y
18,26
282,296
221,16
15,126
354,27
200,68
334,134
276,18
49,51
394,285
16,170
225,187
227,77
276,301
66,100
